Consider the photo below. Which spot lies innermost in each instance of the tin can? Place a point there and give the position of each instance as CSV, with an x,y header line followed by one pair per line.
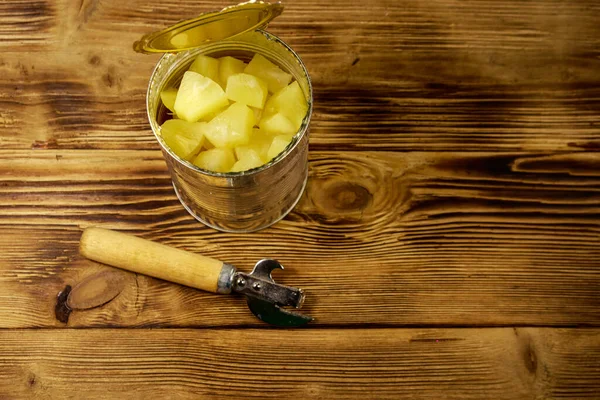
x,y
233,202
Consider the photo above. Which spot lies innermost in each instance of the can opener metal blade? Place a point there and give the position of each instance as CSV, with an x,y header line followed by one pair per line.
x,y
265,297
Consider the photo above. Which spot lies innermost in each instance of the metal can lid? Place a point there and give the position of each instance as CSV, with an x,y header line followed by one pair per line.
x,y
210,27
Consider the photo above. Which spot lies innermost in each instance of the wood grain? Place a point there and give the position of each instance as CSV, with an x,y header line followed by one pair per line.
x,y
27,24
441,75
507,363
378,238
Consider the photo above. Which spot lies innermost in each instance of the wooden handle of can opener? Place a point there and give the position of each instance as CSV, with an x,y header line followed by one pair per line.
x,y
150,258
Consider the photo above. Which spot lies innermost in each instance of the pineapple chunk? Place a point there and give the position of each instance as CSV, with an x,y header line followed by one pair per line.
x,y
207,145
259,142
278,145
247,89
290,102
206,66
168,97
216,160
184,138
277,124
264,69
248,159
229,66
210,116
198,96
232,127
257,114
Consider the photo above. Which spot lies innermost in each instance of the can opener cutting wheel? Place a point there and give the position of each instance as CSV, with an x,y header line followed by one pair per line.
x,y
264,296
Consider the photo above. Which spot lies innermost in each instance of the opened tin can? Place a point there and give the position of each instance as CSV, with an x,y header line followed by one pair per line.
x,y
234,201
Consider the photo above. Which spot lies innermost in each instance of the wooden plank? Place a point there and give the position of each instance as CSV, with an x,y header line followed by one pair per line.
x,y
407,75
378,238
523,363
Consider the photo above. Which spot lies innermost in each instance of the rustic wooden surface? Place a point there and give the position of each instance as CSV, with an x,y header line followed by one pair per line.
x,y
494,363
448,239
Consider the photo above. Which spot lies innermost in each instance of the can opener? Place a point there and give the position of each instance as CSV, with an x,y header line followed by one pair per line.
x,y
264,296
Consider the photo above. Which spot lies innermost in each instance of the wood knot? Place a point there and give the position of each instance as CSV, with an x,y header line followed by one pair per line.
x,y
31,380
108,79
96,290
62,310
111,78
530,359
95,60
344,197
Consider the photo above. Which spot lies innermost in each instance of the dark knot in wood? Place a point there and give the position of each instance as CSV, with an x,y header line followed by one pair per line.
x,y
62,310
344,197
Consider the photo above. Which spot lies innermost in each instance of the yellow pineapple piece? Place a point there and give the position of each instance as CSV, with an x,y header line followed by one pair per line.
x,y
290,102
259,142
209,117
206,66
198,96
232,127
216,160
229,66
248,159
279,144
184,138
246,89
277,124
257,114
168,97
264,69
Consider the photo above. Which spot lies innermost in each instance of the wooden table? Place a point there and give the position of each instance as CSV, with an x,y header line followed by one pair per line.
x,y
448,239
